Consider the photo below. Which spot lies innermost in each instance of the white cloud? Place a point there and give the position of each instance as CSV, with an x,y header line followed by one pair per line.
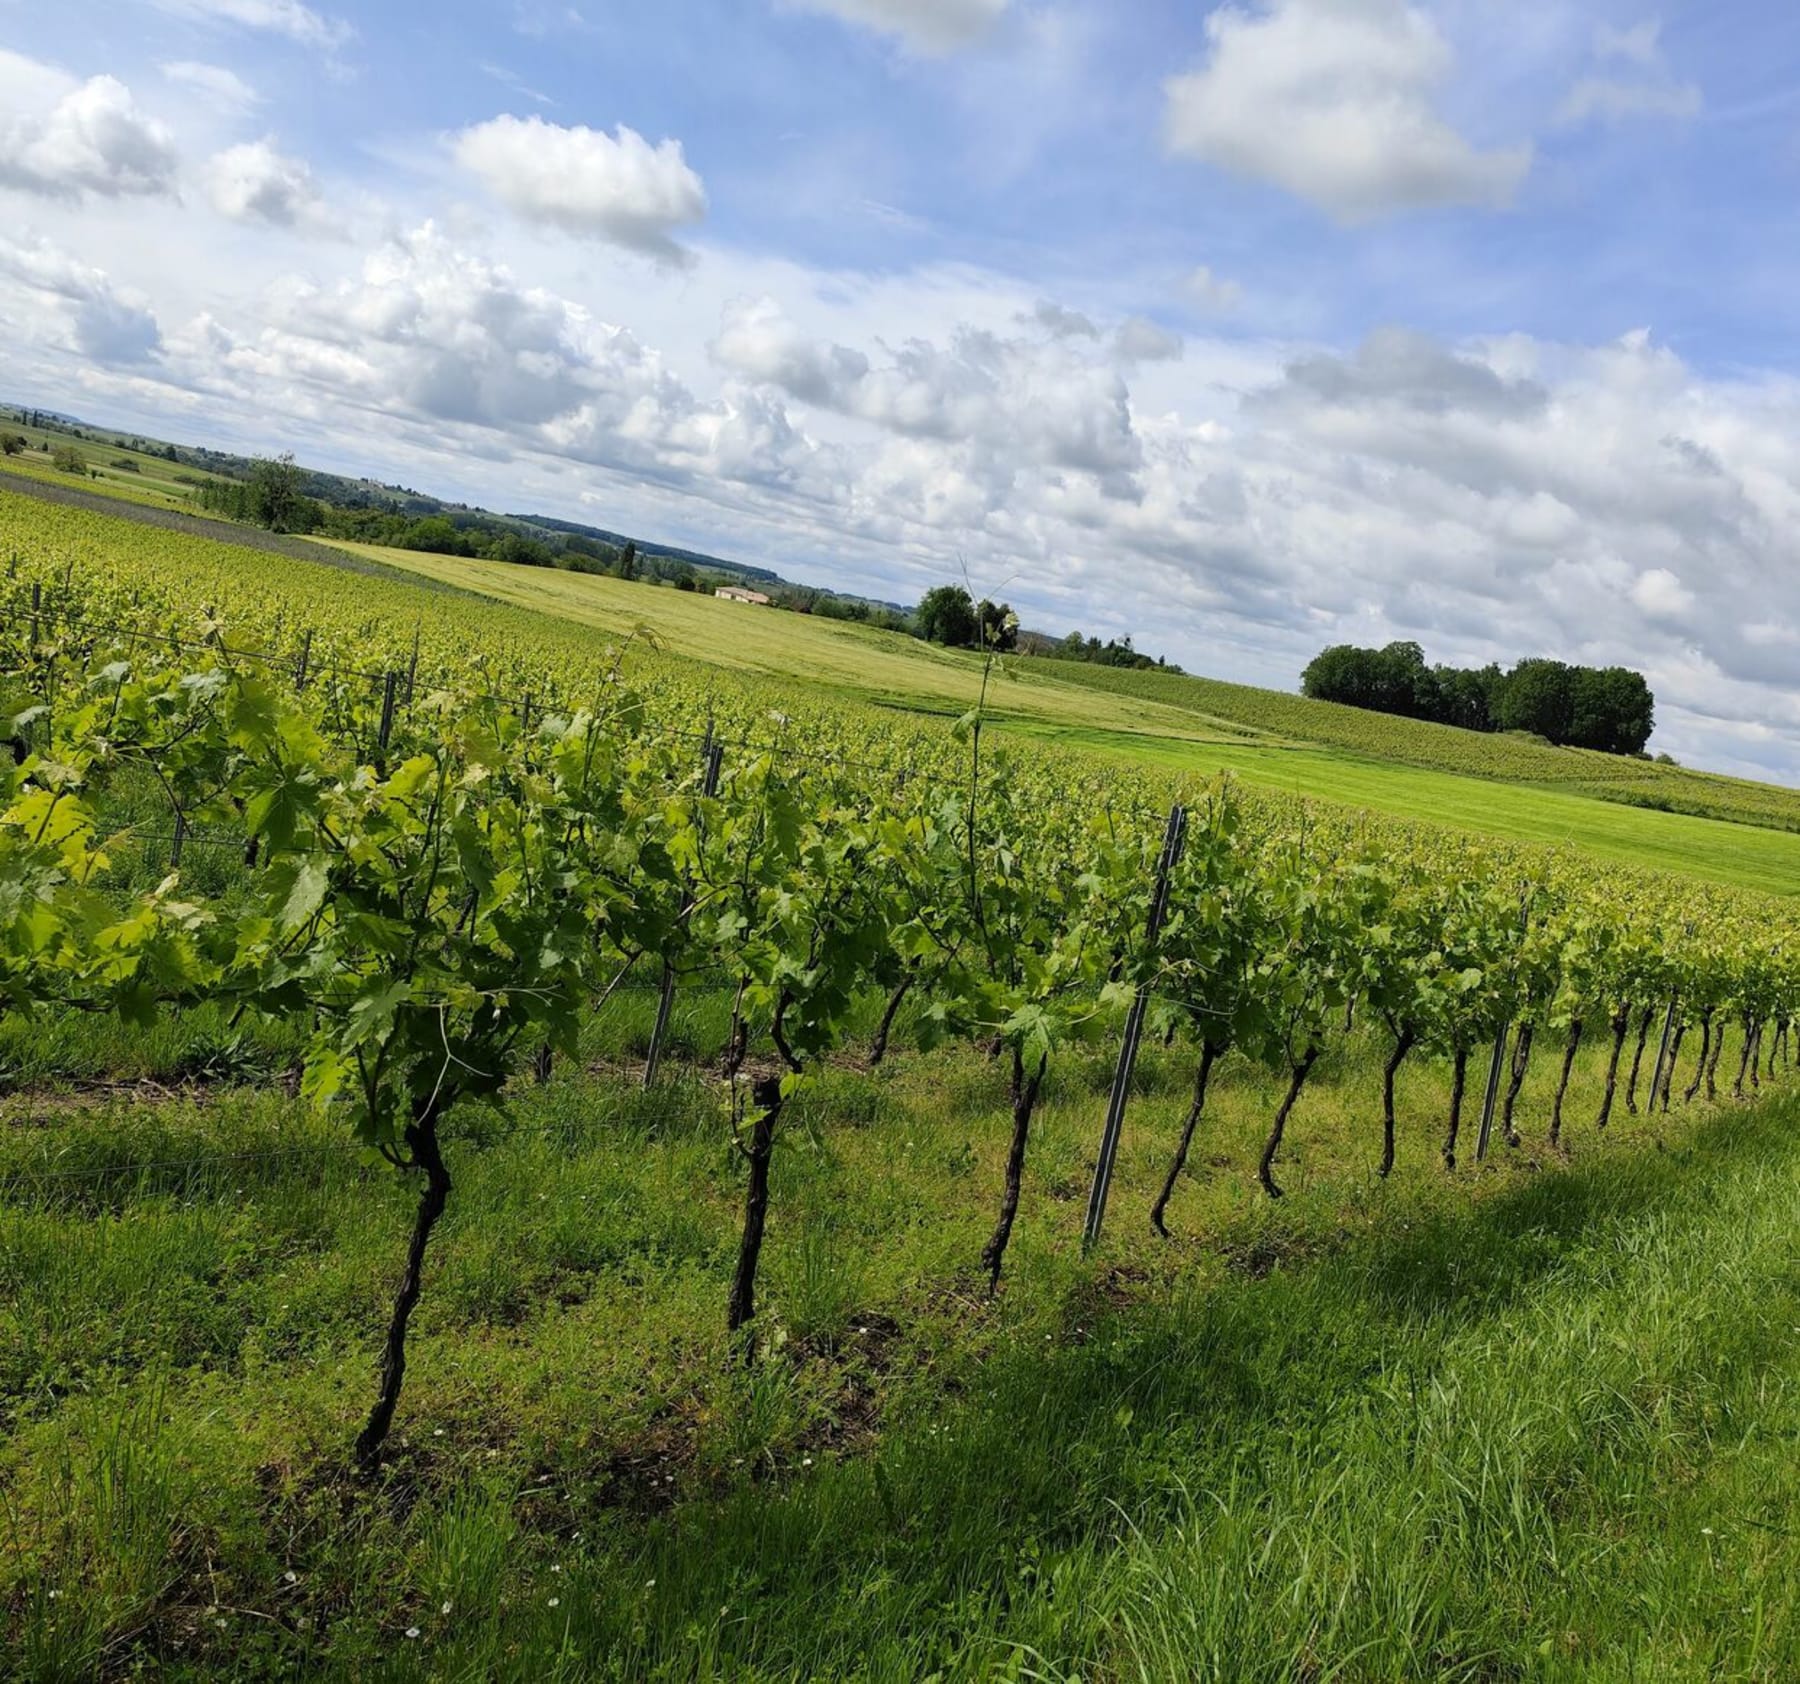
x,y
255,183
279,17
85,312
1061,323
614,187
1235,509
1662,595
65,140
225,88
1001,404
1596,96
1141,341
1641,43
927,26
1212,291
1652,92
1332,101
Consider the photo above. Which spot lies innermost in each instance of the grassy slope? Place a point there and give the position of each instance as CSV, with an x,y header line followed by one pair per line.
x,y
1514,758
883,667
1527,791
1532,1422
1528,1423
1088,707
152,482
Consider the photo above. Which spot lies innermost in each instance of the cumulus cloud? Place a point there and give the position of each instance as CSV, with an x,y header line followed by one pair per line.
x,y
1061,323
68,140
255,183
90,316
1648,89
1235,510
926,26
291,18
1640,43
1212,291
224,88
1662,595
1332,101
1139,340
615,187
1006,402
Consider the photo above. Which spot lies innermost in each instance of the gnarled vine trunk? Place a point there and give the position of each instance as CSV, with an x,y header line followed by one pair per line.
x,y
1621,1025
1521,1062
879,1046
425,1154
1744,1059
1405,1039
1668,1081
1706,1037
1265,1168
1712,1067
765,1098
1208,1054
1459,1081
1570,1048
1637,1060
1024,1101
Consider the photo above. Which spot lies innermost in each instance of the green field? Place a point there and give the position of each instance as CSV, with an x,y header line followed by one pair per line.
x,y
1530,1419
1533,1422
148,480
1276,741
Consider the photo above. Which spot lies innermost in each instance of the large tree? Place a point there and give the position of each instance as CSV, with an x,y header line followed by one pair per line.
x,y
947,615
1538,696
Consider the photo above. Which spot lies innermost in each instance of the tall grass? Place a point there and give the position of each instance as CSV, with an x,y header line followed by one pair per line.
x,y
1527,1422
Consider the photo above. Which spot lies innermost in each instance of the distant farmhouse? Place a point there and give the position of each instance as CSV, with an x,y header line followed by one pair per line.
x,y
737,593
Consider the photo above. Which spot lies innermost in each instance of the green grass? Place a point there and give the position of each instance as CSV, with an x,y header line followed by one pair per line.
x,y
889,669
151,480
1750,856
1471,1426
1105,712
1109,713
1509,757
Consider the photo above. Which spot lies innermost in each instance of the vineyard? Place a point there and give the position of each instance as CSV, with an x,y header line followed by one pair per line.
x,y
748,1114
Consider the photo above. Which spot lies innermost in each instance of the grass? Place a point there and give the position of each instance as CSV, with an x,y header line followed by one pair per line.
x,y
1092,708
889,669
547,611
1530,1421
150,480
1750,856
1438,1427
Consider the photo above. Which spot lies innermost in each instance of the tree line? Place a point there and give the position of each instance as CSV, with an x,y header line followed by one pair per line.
x,y
1606,708
949,615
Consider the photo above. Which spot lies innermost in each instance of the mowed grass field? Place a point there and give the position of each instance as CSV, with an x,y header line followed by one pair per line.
x,y
1533,1420
1104,712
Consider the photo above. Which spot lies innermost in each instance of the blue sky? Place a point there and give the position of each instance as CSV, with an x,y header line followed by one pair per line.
x,y
1242,328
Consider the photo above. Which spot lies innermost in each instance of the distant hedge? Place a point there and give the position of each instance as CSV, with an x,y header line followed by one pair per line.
x,y
1606,708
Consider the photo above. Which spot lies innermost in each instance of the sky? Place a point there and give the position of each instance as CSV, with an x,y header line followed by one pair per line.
x,y
1239,328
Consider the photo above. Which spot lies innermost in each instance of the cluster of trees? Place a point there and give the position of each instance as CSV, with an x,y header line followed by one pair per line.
x,y
13,444
947,614
1114,652
828,605
274,495
1605,708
